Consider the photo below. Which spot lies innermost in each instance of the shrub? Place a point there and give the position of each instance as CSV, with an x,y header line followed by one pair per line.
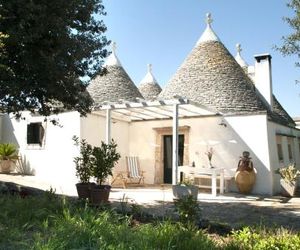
x,y
188,209
95,161
262,238
104,159
83,162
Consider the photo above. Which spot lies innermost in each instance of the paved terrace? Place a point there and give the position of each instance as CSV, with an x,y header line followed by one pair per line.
x,y
232,208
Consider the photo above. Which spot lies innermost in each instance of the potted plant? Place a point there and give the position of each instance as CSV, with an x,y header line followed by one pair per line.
x,y
104,159
8,157
185,188
83,164
288,181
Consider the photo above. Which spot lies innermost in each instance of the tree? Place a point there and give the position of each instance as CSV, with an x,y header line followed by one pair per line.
x,y
291,43
3,68
51,48
2,37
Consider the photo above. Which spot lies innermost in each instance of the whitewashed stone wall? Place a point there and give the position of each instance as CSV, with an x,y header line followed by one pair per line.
x,y
240,134
53,161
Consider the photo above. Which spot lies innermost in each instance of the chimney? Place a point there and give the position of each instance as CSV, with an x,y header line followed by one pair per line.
x,y
263,77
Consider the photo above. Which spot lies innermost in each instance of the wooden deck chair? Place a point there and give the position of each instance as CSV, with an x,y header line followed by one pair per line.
x,y
134,173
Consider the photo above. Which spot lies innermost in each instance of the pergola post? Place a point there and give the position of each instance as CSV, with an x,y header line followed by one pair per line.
x,y
108,126
175,145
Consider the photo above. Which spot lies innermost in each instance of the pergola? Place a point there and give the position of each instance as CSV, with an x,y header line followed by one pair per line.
x,y
155,110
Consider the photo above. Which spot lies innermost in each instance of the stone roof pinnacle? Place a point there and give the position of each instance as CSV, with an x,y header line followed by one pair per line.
x,y
113,60
149,65
208,34
209,20
149,87
239,58
149,78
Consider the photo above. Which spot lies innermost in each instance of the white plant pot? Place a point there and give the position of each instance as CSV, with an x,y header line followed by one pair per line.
x,y
288,188
180,191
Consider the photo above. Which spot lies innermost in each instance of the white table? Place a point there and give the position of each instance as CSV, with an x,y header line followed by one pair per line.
x,y
214,173
200,172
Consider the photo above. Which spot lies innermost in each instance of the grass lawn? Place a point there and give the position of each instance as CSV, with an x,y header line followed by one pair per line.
x,y
51,222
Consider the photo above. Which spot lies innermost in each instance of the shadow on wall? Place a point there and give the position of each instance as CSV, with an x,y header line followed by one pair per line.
x,y
263,178
228,146
23,167
8,134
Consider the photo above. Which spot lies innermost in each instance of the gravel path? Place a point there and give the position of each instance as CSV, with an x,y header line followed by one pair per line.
x,y
270,213
237,210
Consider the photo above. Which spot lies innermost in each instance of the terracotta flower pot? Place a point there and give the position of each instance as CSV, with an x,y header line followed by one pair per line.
x,y
245,181
100,194
84,190
7,166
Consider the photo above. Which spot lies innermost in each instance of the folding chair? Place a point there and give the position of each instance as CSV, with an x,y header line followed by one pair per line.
x,y
133,175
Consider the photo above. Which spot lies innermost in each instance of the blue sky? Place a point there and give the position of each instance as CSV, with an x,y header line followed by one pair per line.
x,y
163,32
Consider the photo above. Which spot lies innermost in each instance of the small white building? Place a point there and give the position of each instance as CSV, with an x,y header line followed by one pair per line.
x,y
228,106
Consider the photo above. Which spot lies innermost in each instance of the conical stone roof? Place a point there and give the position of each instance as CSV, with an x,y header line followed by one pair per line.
x,y
279,114
211,76
149,87
113,86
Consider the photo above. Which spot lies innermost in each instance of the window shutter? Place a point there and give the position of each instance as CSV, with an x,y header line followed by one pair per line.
x,y
29,134
41,134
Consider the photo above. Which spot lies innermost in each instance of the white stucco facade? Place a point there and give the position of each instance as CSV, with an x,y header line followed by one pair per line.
x,y
52,161
241,133
93,130
283,135
228,136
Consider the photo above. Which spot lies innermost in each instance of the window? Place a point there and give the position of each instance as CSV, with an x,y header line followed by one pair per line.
x,y
280,153
35,133
290,152
279,147
290,148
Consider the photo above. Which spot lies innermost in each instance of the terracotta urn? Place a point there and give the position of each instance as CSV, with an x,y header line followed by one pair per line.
x,y
245,175
245,181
